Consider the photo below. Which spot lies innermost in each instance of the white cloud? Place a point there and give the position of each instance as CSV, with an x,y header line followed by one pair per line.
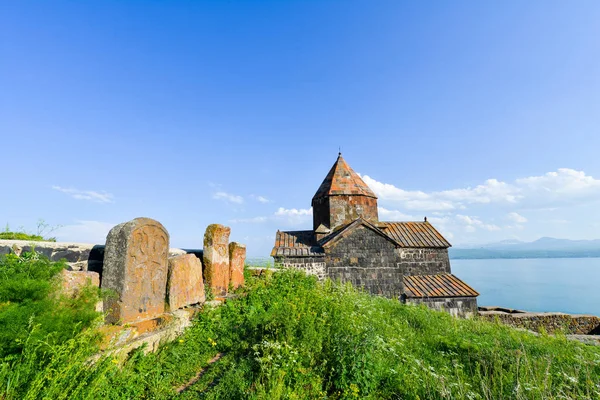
x,y
293,212
84,232
474,223
564,186
254,220
228,197
394,215
261,199
516,217
98,197
411,200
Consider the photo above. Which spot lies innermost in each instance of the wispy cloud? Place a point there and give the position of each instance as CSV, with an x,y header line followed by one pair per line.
x,y
516,217
260,199
90,195
293,212
563,186
228,197
253,220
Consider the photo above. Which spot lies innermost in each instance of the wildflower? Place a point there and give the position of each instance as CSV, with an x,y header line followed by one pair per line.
x,y
114,361
212,342
180,340
354,389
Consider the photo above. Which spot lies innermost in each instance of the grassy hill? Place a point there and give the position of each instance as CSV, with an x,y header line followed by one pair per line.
x,y
290,337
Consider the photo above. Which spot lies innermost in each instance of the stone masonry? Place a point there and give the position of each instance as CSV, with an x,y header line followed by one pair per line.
x,y
423,261
366,259
349,243
551,322
216,258
465,307
135,267
311,265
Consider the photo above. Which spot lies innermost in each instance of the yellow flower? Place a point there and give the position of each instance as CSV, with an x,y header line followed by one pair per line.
x,y
115,361
180,340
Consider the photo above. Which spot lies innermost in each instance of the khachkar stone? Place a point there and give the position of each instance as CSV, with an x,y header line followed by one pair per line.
x,y
237,258
184,284
216,258
135,267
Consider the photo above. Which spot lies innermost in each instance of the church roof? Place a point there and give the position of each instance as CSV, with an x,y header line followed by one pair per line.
x,y
414,234
342,180
402,234
296,243
443,285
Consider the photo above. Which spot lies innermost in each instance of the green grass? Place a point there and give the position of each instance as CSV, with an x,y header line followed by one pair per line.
x,y
43,230
291,337
8,235
36,320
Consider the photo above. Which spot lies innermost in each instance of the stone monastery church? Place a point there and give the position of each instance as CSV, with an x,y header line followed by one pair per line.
x,y
404,260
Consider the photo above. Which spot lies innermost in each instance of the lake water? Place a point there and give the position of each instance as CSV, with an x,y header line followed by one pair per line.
x,y
570,285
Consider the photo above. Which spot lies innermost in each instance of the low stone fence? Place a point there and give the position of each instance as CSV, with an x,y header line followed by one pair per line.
x,y
551,322
150,280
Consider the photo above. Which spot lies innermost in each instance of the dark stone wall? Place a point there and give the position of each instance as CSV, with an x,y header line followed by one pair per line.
x,y
311,265
366,259
335,211
465,307
432,261
549,322
321,212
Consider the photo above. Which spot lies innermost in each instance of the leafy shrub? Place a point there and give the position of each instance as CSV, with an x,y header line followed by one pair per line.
x,y
291,337
8,235
31,308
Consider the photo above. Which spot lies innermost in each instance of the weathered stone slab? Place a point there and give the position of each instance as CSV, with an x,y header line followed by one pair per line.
x,y
216,258
73,281
237,259
136,267
184,284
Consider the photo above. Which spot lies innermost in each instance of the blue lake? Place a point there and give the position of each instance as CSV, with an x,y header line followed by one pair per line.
x,y
570,285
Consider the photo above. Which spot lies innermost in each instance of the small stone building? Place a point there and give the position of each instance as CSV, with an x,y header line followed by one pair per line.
x,y
349,243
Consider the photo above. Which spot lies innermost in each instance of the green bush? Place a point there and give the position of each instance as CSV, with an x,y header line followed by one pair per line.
x,y
7,235
31,307
290,337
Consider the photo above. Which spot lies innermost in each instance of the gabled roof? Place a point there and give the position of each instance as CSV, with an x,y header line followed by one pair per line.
x,y
414,234
296,243
443,285
345,231
342,180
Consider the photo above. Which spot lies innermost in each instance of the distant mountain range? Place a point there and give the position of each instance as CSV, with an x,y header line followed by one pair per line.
x,y
545,247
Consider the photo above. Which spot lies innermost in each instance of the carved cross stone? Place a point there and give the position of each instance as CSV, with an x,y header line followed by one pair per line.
x,y
135,267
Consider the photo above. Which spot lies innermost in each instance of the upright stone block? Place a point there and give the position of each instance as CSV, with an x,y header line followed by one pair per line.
x,y
237,258
216,258
135,267
185,285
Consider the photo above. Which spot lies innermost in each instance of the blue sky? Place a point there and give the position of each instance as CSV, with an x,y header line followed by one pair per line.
x,y
484,116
